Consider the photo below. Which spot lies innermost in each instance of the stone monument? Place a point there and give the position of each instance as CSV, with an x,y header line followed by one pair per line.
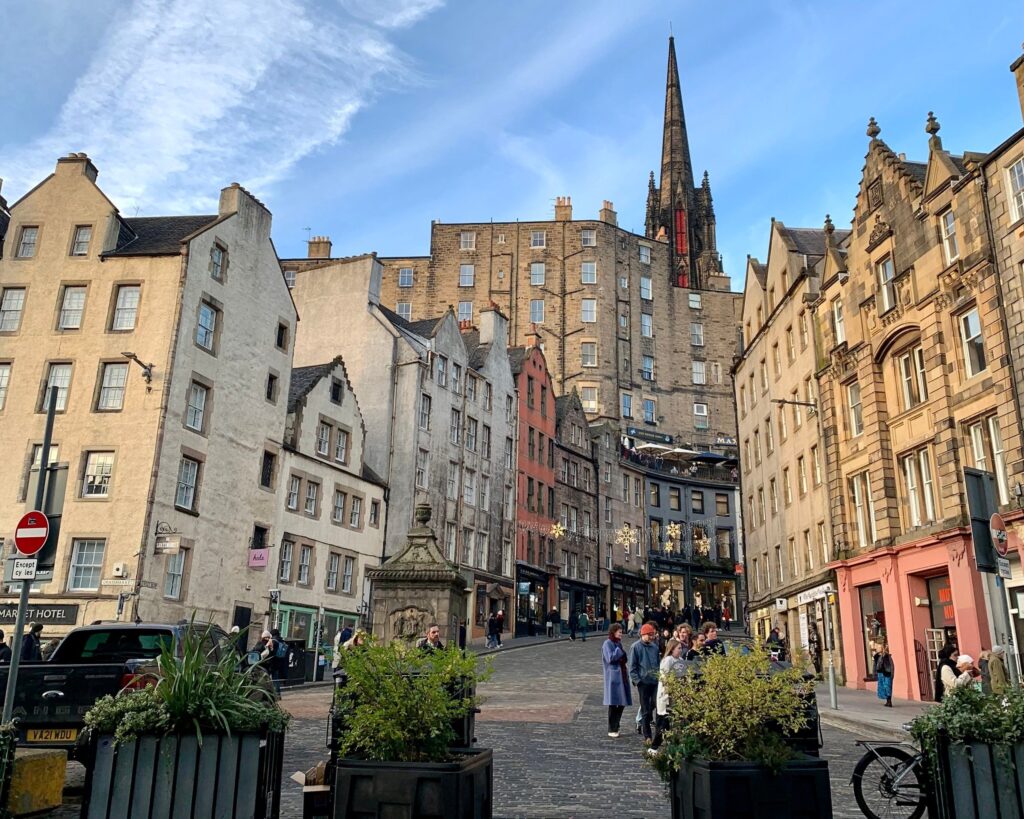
x,y
417,587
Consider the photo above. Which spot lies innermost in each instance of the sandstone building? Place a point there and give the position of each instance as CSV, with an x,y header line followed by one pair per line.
x,y
788,530
168,343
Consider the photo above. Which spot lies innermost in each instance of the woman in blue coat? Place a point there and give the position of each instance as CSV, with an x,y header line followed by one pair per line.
x,y
616,679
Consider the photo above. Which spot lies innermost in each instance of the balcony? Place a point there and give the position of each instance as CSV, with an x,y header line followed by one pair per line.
x,y
694,467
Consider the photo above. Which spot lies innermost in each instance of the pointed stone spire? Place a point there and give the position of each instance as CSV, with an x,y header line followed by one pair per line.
x,y
676,168
932,129
873,129
830,230
651,218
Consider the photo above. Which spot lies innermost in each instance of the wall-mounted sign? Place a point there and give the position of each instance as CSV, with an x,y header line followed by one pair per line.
x,y
167,544
259,558
646,435
56,614
781,604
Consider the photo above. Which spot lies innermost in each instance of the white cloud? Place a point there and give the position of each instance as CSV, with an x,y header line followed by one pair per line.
x,y
184,96
390,13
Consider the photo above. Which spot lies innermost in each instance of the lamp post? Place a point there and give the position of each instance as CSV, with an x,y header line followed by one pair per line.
x,y
833,695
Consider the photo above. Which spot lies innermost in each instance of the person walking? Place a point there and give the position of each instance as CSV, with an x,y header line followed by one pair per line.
x,y
672,658
967,674
5,650
726,617
634,622
501,625
997,678
31,644
492,630
616,679
885,670
572,626
549,622
945,672
644,660
583,622
269,648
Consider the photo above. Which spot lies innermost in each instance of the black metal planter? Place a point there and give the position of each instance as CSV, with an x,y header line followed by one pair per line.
x,y
745,790
462,789
172,776
975,780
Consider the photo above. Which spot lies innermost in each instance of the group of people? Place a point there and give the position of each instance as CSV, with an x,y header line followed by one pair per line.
x,y
578,622
495,626
32,648
666,617
649,661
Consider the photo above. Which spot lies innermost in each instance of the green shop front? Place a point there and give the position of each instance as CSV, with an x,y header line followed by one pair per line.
x,y
310,632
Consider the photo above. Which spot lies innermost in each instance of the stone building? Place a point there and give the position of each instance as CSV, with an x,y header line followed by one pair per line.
x,y
536,511
788,532
641,326
914,373
443,416
331,508
575,496
173,334
1003,170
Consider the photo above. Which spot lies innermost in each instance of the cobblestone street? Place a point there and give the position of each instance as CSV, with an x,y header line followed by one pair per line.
x,y
543,717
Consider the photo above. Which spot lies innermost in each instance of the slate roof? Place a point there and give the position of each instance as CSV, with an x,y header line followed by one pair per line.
x,y
423,327
811,240
371,476
157,235
562,405
516,358
476,351
303,380
918,170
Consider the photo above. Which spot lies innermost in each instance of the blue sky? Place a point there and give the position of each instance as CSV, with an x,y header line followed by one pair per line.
x,y
365,119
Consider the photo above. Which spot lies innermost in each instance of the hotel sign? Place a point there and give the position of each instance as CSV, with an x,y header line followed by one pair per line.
x,y
645,435
57,614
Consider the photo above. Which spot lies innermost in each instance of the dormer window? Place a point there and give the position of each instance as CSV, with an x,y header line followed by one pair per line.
x,y
886,284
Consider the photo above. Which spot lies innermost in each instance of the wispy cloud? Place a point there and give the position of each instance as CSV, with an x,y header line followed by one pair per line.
x,y
184,96
390,13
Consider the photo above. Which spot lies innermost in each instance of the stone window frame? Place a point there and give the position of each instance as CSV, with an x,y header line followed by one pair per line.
x,y
59,306
197,492
186,573
115,293
273,387
301,545
203,381
39,229
24,287
283,325
218,327
41,407
98,386
73,239
222,246
83,465
411,279
275,450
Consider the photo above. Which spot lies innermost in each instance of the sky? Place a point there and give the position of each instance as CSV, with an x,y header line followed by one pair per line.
x,y
364,120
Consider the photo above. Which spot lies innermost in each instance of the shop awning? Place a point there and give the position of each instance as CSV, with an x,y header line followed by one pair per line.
x,y
710,457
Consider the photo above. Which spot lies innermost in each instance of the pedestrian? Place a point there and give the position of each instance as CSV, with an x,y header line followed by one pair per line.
x,y
616,680
462,634
945,672
556,618
696,650
572,626
726,616
31,648
432,640
967,674
501,626
712,645
583,622
549,621
997,678
492,630
644,660
885,670
5,650
634,623
684,634
673,656
775,645
49,648
269,648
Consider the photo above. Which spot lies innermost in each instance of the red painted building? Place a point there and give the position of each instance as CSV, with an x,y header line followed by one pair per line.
x,y
536,572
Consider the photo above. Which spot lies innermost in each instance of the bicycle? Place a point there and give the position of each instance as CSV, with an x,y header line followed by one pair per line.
x,y
890,782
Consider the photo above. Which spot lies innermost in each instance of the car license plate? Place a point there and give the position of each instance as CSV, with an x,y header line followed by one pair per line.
x,y
51,735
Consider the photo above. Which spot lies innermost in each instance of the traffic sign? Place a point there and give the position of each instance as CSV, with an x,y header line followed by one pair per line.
x,y
1003,568
24,569
31,533
1000,537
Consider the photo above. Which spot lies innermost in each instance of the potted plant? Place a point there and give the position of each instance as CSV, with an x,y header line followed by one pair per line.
x,y
204,738
973,745
395,751
729,749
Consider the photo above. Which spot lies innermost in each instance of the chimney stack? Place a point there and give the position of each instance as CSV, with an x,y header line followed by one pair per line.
x,y
563,209
78,163
318,247
253,215
608,214
493,326
1018,72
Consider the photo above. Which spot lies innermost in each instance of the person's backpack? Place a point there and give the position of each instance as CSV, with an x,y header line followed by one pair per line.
x,y
281,652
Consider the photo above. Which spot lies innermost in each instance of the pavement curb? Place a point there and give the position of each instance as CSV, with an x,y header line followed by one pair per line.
x,y
868,730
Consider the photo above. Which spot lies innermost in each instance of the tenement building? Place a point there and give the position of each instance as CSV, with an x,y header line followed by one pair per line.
x,y
443,410
331,508
167,343
915,379
788,530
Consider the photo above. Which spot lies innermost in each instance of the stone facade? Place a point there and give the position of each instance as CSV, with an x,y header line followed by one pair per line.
x,y
173,334
782,453
576,549
914,374
331,508
444,416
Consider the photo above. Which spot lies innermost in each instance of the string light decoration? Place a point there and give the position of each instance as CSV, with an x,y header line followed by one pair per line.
x,y
626,537
557,531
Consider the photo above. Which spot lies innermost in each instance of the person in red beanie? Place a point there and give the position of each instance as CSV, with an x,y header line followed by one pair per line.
x,y
644,660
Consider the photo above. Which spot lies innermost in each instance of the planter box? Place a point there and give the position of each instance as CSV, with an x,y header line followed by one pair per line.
x,y
976,780
415,790
745,790
165,777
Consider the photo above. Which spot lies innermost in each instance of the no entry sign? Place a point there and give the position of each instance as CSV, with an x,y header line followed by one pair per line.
x,y
31,534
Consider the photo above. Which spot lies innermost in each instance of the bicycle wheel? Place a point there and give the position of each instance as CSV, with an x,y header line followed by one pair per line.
x,y
877,794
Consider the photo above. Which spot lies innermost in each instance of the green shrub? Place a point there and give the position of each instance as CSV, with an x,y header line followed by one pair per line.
x,y
399,702
736,708
192,692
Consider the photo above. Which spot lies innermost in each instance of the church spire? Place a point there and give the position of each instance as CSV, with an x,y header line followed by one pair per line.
x,y
676,169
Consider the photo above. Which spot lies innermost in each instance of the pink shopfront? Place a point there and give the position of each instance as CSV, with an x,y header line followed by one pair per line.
x,y
917,596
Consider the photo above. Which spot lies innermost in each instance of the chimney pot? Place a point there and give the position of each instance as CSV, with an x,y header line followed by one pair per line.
x,y
608,214
318,247
563,208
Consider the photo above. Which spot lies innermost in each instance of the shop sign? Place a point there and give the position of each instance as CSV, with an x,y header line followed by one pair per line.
x,y
810,595
524,588
781,604
259,558
167,544
644,435
51,615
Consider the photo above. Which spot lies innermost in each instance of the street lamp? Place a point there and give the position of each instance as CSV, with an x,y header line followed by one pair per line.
x,y
833,696
147,369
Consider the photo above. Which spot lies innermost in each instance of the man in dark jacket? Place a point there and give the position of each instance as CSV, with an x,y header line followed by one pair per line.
x,y
31,645
644,659
5,651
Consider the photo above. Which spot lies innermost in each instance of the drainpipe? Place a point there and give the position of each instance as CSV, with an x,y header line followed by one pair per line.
x,y
161,429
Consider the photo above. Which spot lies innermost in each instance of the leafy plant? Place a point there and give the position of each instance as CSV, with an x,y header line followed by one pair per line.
x,y
967,715
193,692
399,702
737,707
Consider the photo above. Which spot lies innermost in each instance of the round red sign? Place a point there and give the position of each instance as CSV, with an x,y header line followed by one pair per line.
x,y
31,534
1000,538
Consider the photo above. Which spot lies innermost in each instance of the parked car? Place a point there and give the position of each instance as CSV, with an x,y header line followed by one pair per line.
x,y
52,697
